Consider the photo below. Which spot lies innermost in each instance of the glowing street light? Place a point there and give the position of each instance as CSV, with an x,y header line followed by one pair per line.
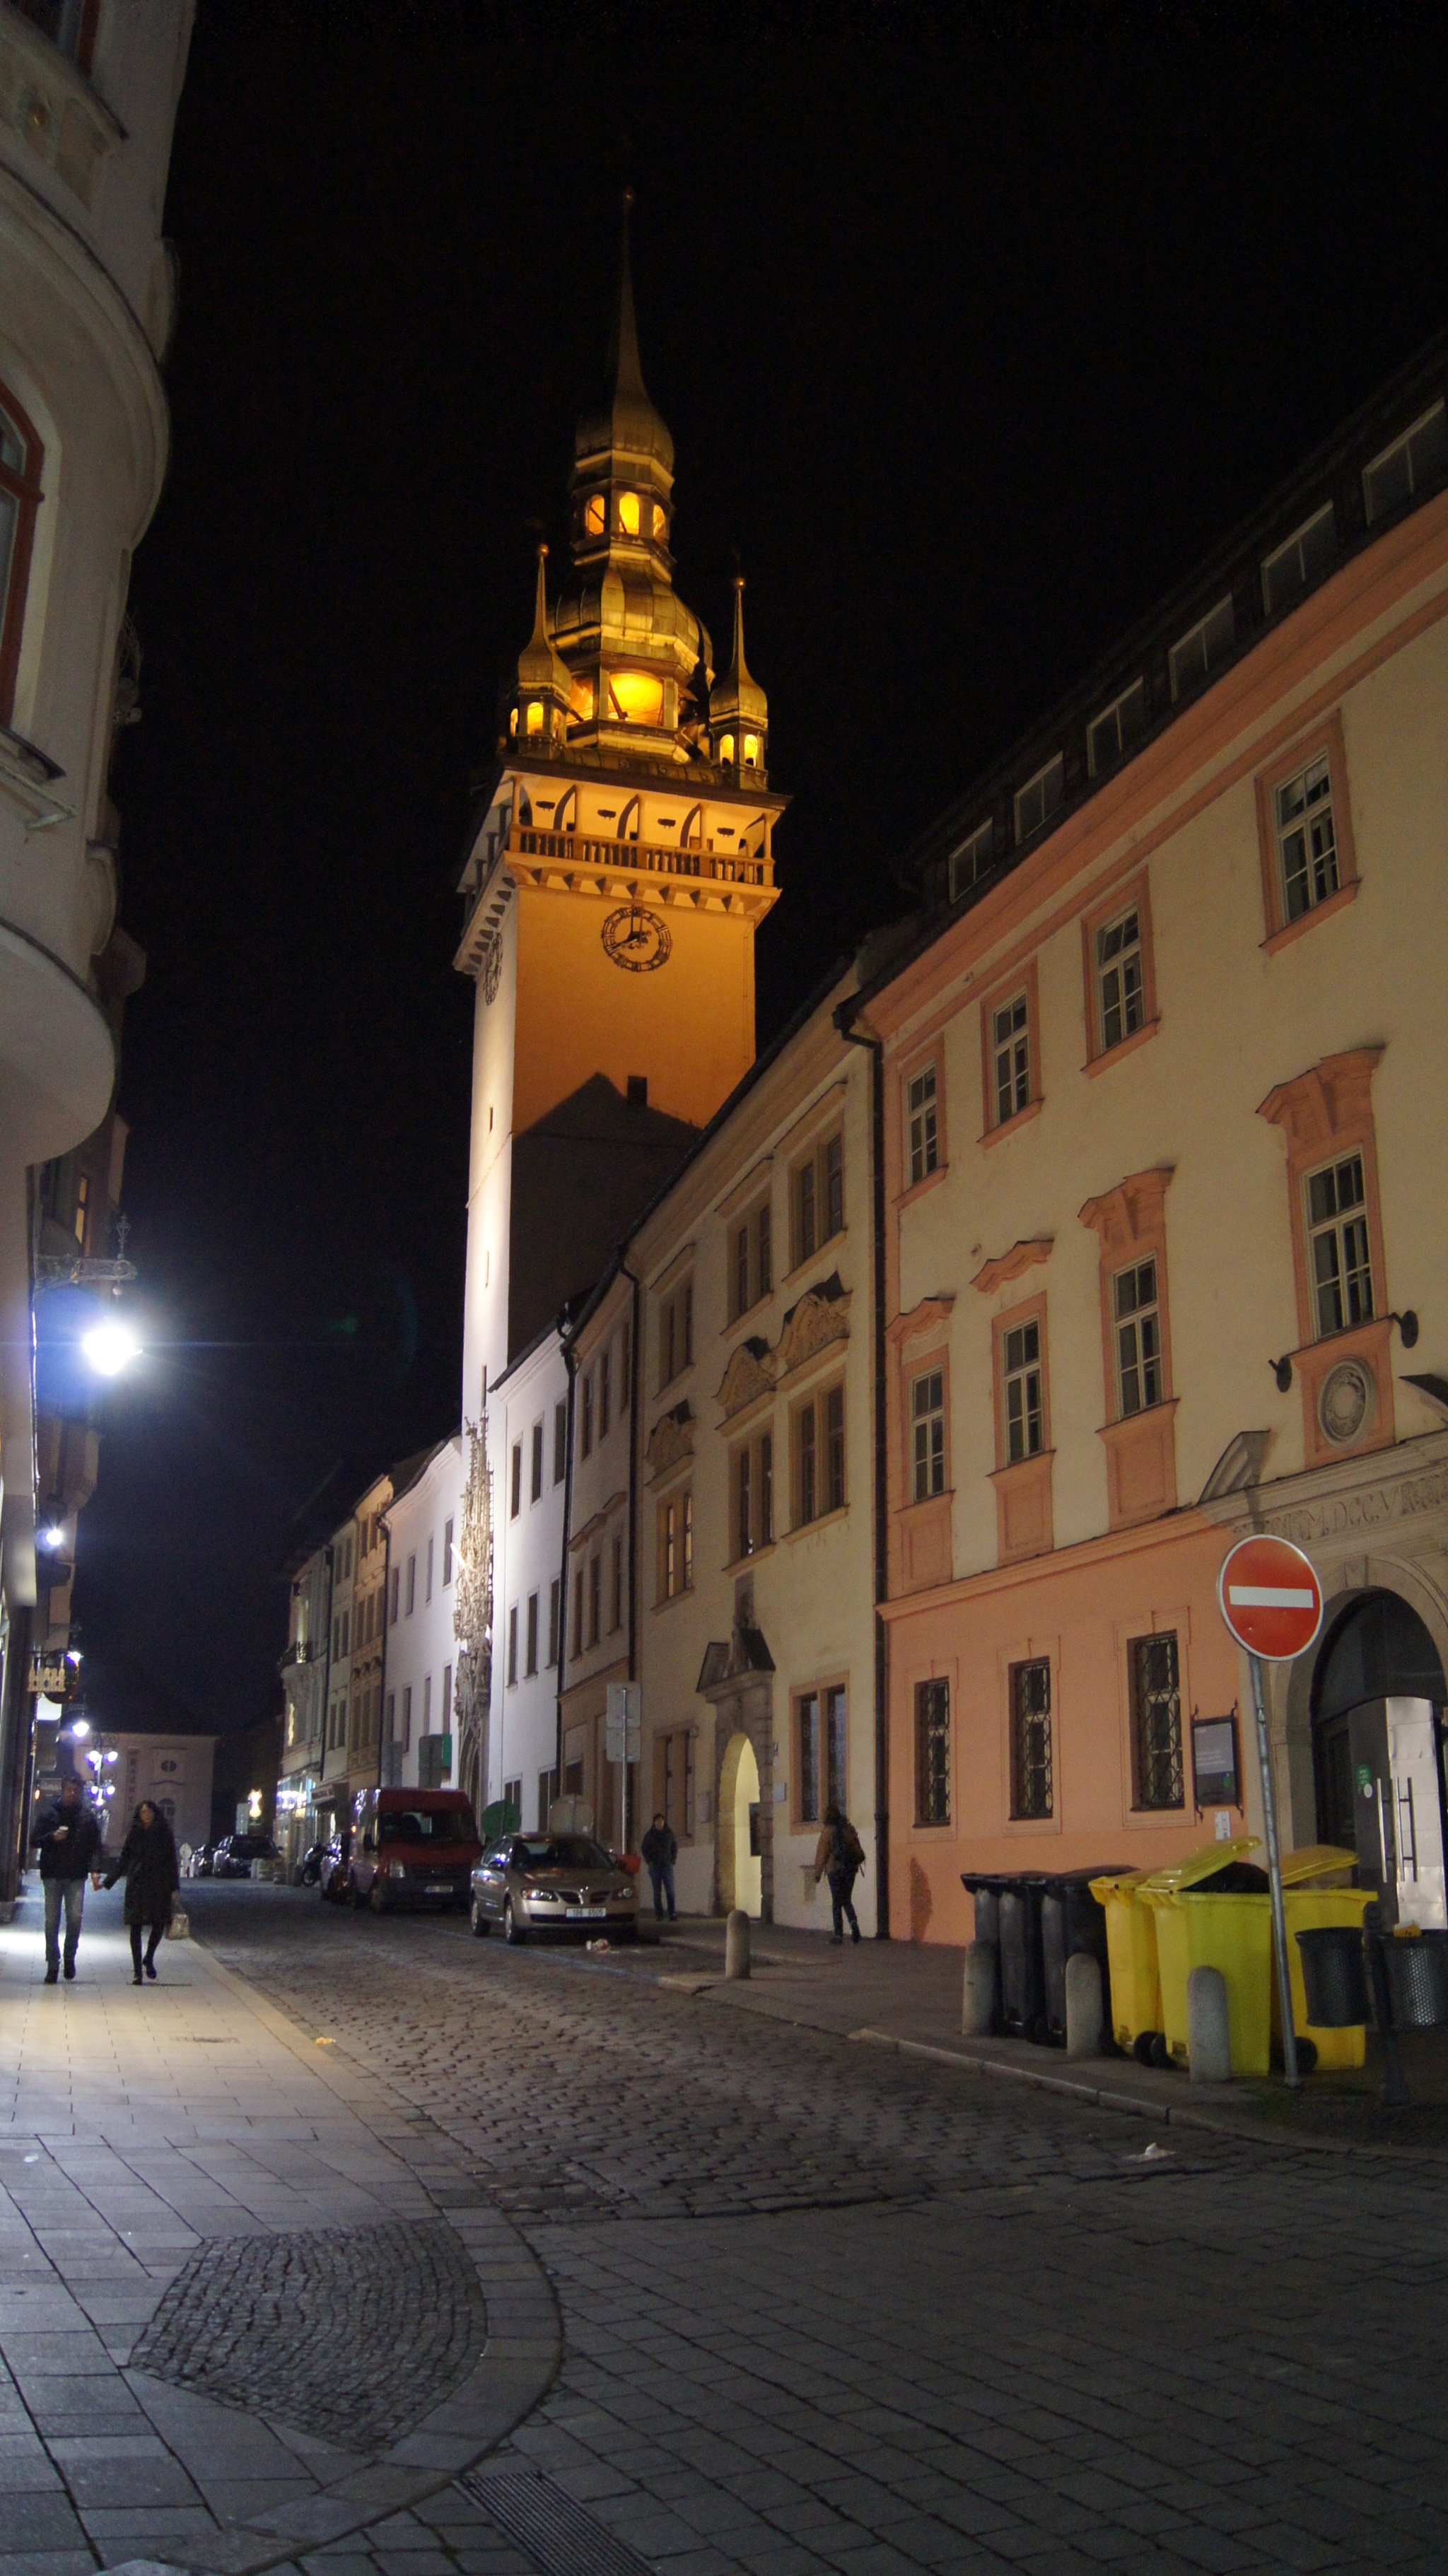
x,y
79,1726
110,1347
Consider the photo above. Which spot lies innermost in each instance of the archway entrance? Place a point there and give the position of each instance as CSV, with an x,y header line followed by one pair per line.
x,y
739,1871
1378,1649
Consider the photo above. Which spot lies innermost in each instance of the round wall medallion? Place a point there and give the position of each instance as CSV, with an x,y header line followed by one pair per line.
x,y
492,968
636,939
1345,1404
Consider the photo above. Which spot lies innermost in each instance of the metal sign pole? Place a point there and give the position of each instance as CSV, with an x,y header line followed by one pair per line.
x,y
1274,1873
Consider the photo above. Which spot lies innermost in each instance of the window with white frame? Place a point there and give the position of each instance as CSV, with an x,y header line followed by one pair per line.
x,y
1300,560
751,1261
1022,1407
1140,1379
1116,730
1120,978
1032,1790
1401,471
676,1546
923,1122
1338,1250
676,1332
1037,801
1306,838
1011,1057
927,1435
820,1741
1202,649
969,863
817,1195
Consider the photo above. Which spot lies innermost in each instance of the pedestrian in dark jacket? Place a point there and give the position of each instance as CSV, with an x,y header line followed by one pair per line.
x,y
147,1861
70,1845
660,1850
839,1853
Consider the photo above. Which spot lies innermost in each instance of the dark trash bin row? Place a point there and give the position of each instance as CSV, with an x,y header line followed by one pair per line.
x,y
1035,1921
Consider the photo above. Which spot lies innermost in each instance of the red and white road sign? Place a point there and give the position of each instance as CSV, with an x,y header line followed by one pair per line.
x,y
1270,1598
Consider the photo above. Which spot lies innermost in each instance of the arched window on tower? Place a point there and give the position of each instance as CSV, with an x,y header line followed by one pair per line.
x,y
751,750
535,715
512,720
726,747
20,460
593,515
628,513
661,523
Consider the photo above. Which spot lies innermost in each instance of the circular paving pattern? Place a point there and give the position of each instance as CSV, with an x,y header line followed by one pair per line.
x,y
353,2333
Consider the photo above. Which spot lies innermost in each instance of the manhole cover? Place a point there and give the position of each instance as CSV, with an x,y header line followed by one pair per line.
x,y
353,2333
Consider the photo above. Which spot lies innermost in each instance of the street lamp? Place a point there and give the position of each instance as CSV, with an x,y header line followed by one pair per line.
x,y
110,1347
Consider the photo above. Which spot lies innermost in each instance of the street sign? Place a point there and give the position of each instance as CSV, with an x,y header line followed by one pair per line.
x,y
623,1724
1271,1601
1270,1598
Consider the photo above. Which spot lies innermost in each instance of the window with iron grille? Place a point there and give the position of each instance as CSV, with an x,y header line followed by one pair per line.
x,y
1031,1787
924,1139
1120,978
1139,1376
1338,1249
1021,1389
1156,1722
927,1433
1011,1048
932,1753
1306,838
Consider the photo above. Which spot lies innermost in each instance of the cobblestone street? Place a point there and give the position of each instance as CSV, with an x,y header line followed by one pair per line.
x,y
828,2308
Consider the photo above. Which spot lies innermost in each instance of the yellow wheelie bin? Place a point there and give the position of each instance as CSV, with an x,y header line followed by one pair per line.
x,y
1131,1936
1204,1927
1307,1905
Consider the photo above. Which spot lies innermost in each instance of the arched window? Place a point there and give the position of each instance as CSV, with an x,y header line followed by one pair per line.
x,y
512,720
628,513
534,719
593,514
20,455
661,523
726,747
751,749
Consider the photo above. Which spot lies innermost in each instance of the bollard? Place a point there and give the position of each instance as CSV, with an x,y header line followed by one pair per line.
x,y
977,2003
736,1944
1209,2043
1084,2007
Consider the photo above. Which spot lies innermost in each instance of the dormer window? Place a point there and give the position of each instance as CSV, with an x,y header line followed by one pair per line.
x,y
751,751
726,747
661,524
628,513
593,515
1037,801
1401,471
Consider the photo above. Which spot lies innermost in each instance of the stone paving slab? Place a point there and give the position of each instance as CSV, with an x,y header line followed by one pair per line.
x,y
142,2128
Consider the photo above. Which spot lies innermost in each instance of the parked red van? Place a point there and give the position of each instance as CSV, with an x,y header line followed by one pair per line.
x,y
412,1847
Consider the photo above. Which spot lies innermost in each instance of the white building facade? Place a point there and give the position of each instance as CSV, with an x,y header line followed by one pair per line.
x,y
528,1423
419,1744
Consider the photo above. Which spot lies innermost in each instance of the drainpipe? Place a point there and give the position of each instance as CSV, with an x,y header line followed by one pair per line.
x,y
633,1501
844,1022
571,1365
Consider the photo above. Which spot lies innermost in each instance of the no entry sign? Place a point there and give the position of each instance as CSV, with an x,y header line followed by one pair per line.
x,y
1270,1598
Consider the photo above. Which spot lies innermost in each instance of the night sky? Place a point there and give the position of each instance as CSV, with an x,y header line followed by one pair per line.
x,y
968,354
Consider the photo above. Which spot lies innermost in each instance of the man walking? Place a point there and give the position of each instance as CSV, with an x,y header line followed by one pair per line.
x,y
70,1844
838,1855
660,1851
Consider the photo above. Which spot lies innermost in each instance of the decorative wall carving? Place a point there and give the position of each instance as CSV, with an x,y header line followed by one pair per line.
x,y
671,1439
821,1316
751,1373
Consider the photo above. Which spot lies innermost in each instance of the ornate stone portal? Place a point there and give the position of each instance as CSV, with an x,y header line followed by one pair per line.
x,y
737,1679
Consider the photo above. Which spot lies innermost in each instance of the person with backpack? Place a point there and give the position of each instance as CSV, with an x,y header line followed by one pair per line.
x,y
839,1854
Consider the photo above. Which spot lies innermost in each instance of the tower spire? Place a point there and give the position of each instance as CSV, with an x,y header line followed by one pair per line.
x,y
541,701
738,707
628,376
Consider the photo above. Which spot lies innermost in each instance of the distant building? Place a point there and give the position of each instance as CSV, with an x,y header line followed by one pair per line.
x,y
419,1748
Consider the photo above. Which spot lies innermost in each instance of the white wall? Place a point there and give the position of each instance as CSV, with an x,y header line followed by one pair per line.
x,y
421,1648
527,1550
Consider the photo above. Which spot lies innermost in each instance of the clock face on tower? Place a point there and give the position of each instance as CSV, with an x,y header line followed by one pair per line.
x,y
636,939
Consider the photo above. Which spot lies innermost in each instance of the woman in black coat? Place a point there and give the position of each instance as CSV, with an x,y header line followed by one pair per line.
x,y
148,1863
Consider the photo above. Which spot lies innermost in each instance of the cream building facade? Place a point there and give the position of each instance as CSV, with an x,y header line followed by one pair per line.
x,y
755,1505
1164,1161
528,1413
89,96
421,1525
600,1624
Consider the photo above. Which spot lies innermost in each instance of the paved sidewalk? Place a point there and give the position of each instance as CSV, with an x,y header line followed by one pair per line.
x,y
318,2264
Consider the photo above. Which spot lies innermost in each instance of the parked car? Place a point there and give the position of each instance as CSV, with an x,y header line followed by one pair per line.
x,y
412,1847
553,1883
235,1854
201,1861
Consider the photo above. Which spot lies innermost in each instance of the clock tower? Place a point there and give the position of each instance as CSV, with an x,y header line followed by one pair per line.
x,y
620,865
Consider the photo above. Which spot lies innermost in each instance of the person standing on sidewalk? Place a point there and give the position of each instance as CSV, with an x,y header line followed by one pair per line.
x,y
839,1853
660,1850
70,1845
147,1861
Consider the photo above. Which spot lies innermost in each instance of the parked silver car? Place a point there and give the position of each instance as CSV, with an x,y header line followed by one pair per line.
x,y
553,1883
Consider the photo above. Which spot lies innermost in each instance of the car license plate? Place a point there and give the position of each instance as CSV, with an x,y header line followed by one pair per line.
x,y
585,1913
440,1887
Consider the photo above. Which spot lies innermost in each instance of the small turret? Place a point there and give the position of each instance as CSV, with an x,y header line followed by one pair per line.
x,y
539,712
739,709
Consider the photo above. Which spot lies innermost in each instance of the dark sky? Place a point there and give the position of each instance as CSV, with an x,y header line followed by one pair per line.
x,y
970,354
